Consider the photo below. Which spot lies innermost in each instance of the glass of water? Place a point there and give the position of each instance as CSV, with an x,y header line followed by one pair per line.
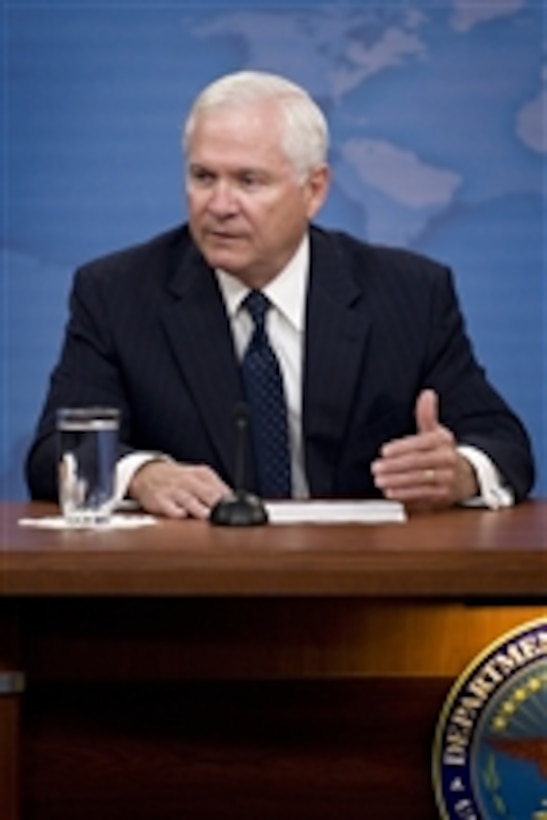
x,y
88,438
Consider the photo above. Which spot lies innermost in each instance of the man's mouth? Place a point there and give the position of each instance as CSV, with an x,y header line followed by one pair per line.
x,y
223,236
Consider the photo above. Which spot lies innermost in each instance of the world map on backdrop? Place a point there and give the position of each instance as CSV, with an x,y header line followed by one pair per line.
x,y
438,116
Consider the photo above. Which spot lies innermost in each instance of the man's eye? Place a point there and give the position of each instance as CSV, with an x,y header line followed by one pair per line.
x,y
251,181
201,175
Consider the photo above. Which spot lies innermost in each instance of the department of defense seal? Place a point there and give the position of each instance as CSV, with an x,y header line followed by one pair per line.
x,y
490,747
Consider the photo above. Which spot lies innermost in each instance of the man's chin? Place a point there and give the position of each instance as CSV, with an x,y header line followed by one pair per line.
x,y
223,259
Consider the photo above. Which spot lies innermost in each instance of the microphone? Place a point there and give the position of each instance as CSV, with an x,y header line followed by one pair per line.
x,y
240,508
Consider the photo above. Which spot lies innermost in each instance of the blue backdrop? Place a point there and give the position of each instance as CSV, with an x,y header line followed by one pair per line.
x,y
438,115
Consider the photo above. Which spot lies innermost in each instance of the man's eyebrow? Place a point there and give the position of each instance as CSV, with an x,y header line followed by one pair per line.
x,y
254,171
244,170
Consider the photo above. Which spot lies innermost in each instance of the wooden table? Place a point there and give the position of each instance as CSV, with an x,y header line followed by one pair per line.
x,y
185,671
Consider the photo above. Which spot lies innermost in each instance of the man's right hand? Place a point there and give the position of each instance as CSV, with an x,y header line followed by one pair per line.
x,y
177,490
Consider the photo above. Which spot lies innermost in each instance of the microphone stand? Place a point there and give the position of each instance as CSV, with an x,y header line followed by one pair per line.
x,y
240,508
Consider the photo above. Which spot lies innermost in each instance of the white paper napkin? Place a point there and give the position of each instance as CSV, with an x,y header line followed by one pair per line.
x,y
116,522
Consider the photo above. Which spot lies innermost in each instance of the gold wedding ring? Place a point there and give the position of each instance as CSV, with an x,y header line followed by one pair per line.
x,y
430,476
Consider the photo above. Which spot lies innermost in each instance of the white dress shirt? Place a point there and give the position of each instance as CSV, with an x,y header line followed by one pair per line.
x,y
285,323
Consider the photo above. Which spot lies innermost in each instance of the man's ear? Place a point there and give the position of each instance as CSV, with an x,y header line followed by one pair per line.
x,y
316,189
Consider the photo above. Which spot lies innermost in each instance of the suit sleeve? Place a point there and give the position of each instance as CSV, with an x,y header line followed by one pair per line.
x,y
85,375
470,406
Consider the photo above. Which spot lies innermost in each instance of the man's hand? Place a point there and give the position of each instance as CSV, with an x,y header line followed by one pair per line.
x,y
177,490
425,471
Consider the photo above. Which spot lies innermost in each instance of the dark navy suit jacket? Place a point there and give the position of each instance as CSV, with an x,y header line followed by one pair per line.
x,y
148,333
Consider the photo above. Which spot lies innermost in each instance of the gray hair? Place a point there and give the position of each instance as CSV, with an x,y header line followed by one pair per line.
x,y
305,135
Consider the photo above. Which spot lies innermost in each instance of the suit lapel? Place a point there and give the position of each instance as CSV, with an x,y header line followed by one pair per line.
x,y
201,340
337,327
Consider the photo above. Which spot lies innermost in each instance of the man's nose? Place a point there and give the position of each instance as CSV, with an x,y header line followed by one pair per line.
x,y
222,200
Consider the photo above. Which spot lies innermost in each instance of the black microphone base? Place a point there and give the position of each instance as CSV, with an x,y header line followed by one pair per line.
x,y
239,510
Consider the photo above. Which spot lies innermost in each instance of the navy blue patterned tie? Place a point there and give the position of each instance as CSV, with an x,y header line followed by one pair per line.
x,y
264,391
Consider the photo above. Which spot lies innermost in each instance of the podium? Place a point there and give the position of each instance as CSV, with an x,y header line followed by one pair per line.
x,y
187,671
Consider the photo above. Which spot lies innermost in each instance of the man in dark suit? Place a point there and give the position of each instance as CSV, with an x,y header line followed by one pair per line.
x,y
382,390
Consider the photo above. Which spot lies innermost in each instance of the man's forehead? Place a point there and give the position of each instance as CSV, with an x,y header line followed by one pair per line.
x,y
236,156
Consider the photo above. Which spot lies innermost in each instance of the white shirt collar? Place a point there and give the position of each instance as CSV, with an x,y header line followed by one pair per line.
x,y
287,292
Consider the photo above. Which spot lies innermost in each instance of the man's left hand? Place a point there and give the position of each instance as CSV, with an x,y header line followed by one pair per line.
x,y
425,470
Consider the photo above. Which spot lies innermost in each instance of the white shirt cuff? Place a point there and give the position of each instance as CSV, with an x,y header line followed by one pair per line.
x,y
126,469
493,493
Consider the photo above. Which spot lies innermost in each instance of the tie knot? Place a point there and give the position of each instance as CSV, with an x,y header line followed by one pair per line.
x,y
257,304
